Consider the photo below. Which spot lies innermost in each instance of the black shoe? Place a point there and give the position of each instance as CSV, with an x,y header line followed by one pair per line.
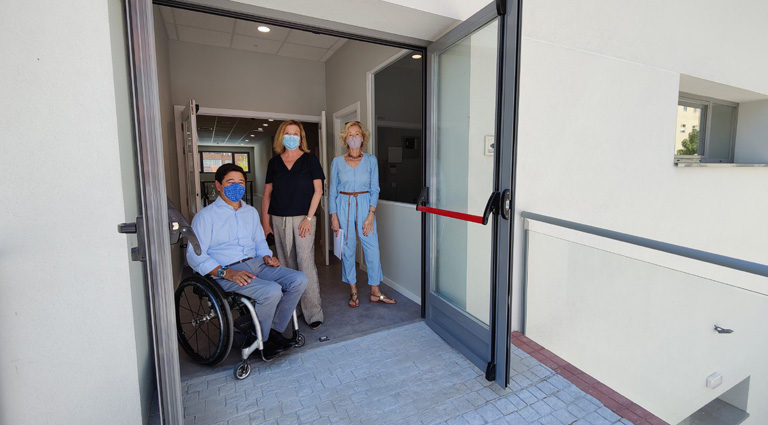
x,y
271,350
315,325
279,340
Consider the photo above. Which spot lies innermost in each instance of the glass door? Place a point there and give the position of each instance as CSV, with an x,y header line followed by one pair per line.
x,y
465,197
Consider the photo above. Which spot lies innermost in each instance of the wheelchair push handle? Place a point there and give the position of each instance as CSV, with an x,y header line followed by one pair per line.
x,y
178,227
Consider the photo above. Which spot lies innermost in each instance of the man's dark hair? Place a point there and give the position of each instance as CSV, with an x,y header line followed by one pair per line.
x,y
228,168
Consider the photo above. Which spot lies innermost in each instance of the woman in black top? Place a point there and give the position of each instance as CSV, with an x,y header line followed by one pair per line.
x,y
292,191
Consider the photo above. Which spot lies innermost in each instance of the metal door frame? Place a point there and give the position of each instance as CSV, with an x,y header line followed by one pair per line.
x,y
509,15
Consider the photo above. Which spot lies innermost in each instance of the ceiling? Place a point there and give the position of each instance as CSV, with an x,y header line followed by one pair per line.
x,y
213,130
220,31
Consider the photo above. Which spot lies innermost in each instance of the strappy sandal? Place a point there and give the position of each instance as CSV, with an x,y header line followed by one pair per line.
x,y
354,302
381,298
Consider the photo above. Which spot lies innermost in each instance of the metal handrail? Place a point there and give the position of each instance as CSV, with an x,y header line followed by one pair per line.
x,y
696,254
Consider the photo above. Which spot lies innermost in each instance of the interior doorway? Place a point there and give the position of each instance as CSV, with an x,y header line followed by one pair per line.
x,y
280,71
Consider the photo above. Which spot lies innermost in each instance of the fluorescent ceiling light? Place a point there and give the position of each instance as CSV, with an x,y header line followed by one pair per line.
x,y
263,28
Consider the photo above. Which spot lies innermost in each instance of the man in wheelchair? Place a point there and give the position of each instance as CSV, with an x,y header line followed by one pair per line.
x,y
236,254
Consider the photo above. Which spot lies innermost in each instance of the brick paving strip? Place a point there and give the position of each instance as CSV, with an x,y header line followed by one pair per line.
x,y
407,375
611,399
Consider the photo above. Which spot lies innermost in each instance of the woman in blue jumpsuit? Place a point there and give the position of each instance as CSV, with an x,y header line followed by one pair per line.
x,y
354,193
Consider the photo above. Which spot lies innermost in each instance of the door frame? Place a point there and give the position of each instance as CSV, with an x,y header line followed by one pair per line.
x,y
152,186
337,124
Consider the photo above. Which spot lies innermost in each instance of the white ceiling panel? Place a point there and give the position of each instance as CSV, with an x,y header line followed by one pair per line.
x,y
302,52
203,20
201,36
250,29
253,44
310,39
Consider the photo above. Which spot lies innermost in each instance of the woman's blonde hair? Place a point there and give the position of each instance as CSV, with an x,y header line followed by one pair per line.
x,y
277,144
345,131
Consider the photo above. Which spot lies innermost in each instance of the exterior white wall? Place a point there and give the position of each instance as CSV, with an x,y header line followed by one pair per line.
x,y
69,350
598,99
234,79
650,327
752,133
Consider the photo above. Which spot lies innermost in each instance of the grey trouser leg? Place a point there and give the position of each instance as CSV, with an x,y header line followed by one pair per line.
x,y
298,253
275,292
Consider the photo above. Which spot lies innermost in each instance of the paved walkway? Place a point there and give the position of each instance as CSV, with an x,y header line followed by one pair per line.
x,y
407,375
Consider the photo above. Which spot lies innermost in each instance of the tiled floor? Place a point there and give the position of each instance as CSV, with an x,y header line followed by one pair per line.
x,y
406,375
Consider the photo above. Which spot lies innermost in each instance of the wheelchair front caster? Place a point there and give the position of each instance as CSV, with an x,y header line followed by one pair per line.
x,y
299,340
242,370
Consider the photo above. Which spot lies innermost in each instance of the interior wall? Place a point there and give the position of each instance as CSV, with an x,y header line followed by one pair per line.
x,y
167,123
346,84
219,77
66,297
752,133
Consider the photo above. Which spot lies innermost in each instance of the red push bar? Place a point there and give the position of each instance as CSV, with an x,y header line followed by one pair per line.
x,y
452,214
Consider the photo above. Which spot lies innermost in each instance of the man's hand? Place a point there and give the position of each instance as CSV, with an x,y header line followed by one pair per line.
x,y
271,261
240,277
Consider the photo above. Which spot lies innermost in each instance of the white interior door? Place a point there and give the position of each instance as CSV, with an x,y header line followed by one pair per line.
x,y
191,158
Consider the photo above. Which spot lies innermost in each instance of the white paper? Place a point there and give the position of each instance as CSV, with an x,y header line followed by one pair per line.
x,y
338,244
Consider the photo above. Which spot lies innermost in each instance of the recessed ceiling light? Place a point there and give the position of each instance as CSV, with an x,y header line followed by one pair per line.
x,y
265,124
259,129
263,28
416,56
270,120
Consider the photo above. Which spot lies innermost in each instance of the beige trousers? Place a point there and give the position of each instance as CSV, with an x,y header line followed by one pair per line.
x,y
298,253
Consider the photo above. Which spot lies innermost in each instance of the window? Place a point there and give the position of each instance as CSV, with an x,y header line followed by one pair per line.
x,y
712,124
396,128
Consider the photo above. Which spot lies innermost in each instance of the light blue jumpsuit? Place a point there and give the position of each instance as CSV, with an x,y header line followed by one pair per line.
x,y
352,212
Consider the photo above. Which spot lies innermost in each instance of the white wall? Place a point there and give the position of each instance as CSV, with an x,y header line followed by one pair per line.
x,y
752,133
598,98
649,327
399,227
69,351
234,79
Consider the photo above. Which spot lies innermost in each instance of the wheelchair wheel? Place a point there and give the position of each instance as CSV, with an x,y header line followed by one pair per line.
x,y
242,370
203,320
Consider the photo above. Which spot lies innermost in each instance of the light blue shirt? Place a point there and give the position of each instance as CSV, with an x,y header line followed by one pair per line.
x,y
364,177
226,235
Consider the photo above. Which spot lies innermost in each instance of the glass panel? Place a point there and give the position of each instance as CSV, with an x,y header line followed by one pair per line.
x,y
721,133
643,328
691,119
464,169
397,129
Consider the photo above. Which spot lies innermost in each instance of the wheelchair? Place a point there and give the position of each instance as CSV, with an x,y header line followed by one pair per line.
x,y
210,320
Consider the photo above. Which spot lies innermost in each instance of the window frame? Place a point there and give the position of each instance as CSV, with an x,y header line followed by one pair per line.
x,y
693,100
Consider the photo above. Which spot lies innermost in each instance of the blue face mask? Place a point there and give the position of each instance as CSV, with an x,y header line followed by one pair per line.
x,y
234,192
291,142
